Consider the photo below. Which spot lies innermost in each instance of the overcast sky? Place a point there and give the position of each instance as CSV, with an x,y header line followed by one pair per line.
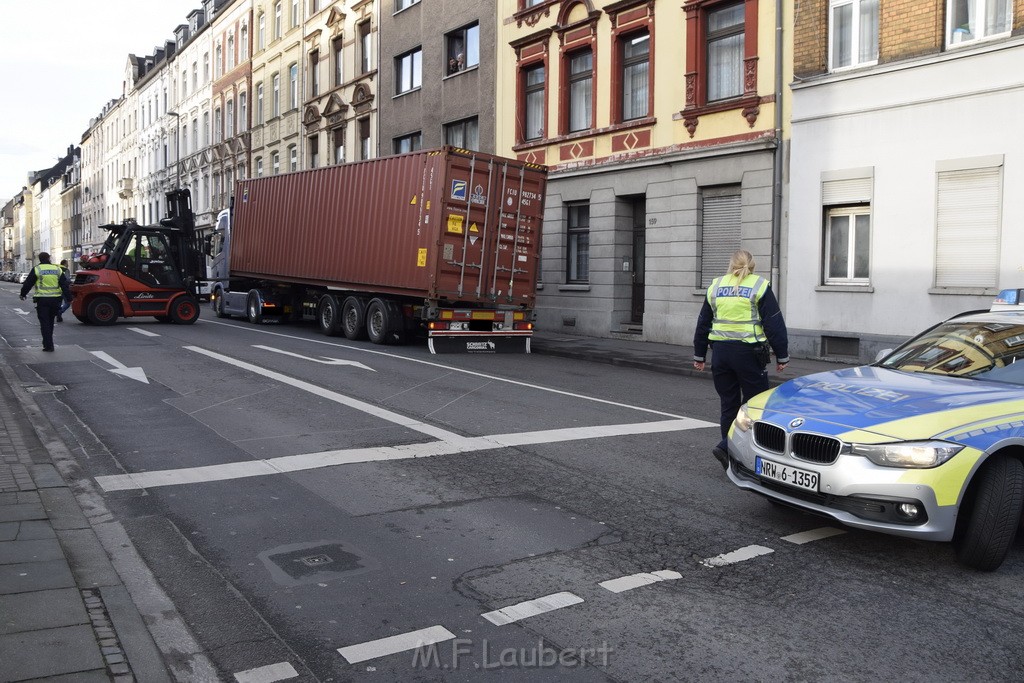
x,y
60,62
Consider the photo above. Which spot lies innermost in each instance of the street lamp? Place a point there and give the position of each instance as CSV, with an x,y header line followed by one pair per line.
x,y
177,148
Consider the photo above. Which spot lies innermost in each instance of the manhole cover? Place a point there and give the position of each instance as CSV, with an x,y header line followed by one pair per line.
x,y
311,562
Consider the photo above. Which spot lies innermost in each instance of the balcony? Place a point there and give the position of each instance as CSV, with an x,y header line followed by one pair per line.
x,y
125,187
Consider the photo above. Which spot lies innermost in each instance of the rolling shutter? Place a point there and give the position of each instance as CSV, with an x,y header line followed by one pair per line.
x,y
720,235
967,228
849,191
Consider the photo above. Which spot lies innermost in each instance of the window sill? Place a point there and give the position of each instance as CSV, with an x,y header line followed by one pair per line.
x,y
857,289
574,288
473,67
964,291
407,92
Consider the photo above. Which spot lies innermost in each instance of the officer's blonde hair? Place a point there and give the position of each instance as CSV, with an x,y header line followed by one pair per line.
x,y
741,264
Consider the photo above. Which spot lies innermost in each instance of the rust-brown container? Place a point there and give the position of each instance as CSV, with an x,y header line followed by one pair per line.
x,y
445,225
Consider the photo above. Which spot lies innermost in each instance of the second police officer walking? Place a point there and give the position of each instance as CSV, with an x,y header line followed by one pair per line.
x,y
740,314
52,289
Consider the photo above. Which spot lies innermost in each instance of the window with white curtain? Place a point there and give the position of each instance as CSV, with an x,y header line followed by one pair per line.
x,y
581,90
968,20
853,33
636,59
725,33
533,115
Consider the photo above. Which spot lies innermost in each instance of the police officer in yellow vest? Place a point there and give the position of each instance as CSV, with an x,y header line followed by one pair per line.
x,y
740,314
51,289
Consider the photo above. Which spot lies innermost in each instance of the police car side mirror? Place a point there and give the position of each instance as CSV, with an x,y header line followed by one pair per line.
x,y
882,354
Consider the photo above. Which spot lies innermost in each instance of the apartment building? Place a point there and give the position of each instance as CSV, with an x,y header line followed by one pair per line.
x,y
904,160
660,125
437,74
232,70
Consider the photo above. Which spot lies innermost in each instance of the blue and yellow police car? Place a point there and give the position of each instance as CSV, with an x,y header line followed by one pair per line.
x,y
926,443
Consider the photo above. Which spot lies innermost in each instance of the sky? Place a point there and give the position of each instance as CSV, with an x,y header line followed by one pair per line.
x,y
61,61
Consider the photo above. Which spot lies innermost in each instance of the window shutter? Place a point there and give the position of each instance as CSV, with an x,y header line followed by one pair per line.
x,y
967,230
720,235
849,191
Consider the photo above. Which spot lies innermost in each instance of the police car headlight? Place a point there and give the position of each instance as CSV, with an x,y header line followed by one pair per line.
x,y
917,454
743,421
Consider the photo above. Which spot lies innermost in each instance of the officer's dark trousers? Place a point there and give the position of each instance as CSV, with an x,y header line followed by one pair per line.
x,y
47,309
738,375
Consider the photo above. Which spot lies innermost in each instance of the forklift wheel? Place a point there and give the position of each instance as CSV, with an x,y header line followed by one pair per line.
x,y
83,319
184,310
103,310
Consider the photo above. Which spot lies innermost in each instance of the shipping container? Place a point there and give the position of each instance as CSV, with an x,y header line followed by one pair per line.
x,y
447,239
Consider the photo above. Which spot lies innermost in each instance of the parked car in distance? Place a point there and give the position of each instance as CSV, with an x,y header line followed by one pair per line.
x,y
926,443
21,277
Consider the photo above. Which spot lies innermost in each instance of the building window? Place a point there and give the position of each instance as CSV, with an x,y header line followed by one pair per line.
x,y
206,129
577,262
275,163
533,102
229,119
464,134
262,32
243,111
853,33
337,49
338,135
218,62
364,138
206,67
719,231
408,143
293,158
847,244
276,96
231,51
725,52
259,167
184,83
967,227
218,126
184,139
314,73
259,104
581,90
408,71
636,75
403,4
293,85
969,20
315,6
243,47
195,135
365,47
295,13
462,48
277,20
314,151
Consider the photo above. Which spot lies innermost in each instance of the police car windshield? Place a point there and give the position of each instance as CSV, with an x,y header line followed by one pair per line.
x,y
980,350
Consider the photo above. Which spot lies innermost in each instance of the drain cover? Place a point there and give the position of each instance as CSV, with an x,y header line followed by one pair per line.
x,y
311,562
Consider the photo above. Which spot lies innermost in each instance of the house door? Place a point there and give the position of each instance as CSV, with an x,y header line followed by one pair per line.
x,y
639,260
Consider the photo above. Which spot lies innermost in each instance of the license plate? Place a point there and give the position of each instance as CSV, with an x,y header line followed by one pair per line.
x,y
793,476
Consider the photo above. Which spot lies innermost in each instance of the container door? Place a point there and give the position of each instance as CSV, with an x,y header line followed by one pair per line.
x,y
466,227
518,200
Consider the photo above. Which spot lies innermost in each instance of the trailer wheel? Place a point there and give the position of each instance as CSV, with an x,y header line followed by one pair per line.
x,y
103,310
184,310
254,308
383,322
353,318
218,304
328,315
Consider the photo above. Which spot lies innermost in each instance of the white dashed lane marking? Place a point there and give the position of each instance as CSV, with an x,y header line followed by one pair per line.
x,y
748,553
626,583
532,608
145,333
403,642
813,535
281,671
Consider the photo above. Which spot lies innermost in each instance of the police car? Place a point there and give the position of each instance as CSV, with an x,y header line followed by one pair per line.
x,y
926,443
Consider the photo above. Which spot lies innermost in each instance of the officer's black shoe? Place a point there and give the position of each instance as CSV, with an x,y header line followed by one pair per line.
x,y
721,456
47,348
60,319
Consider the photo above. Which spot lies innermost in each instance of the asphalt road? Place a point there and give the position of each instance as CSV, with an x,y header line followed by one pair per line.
x,y
318,504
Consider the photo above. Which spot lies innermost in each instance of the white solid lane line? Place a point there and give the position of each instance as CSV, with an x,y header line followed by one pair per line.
x,y
813,535
748,553
281,671
531,608
309,461
627,583
373,649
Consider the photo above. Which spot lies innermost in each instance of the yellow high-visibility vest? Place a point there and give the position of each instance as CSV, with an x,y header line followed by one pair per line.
x,y
734,304
48,280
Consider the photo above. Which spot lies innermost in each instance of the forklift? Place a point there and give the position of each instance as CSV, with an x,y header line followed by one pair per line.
x,y
152,270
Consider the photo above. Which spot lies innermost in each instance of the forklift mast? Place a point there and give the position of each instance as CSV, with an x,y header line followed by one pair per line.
x,y
192,258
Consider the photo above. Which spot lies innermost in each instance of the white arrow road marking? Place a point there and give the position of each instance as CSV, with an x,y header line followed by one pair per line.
x,y
325,360
145,333
20,312
138,374
309,461
627,583
531,608
373,649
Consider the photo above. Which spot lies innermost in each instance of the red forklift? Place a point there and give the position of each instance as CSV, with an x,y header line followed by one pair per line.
x,y
151,270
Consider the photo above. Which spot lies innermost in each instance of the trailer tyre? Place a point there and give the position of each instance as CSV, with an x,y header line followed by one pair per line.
x,y
184,310
103,310
383,322
328,315
353,318
254,308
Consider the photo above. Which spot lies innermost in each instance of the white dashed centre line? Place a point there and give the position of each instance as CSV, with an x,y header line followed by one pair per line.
x,y
267,674
626,583
145,333
403,642
813,535
532,608
748,553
